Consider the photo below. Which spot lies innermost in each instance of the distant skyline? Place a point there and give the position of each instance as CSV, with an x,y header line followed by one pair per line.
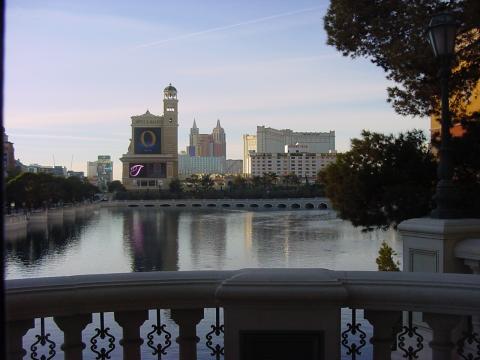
x,y
76,71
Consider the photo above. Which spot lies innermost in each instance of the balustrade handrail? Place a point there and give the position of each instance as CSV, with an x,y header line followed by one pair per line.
x,y
54,296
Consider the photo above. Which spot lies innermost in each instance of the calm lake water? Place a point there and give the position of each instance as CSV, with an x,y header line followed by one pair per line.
x,y
128,240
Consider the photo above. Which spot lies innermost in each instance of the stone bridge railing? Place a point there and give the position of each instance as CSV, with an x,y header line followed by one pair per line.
x,y
238,204
293,313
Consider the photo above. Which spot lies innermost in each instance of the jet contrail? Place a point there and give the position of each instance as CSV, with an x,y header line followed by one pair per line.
x,y
226,27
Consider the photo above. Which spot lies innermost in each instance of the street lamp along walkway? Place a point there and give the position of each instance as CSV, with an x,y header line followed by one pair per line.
x,y
441,35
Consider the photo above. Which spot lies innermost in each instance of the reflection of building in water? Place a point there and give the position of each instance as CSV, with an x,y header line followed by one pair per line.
x,y
208,247
248,231
152,237
43,241
284,240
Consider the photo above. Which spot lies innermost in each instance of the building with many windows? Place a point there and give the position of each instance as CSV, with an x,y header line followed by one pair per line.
x,y
249,144
152,158
188,165
305,165
100,172
273,141
233,167
56,170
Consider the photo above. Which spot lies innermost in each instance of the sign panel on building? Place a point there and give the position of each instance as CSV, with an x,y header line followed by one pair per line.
x,y
147,170
147,140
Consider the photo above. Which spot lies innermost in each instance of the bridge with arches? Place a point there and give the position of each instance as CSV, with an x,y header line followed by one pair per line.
x,y
237,204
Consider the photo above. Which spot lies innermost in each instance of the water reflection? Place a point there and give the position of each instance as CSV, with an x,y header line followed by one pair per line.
x,y
123,240
208,235
31,246
152,239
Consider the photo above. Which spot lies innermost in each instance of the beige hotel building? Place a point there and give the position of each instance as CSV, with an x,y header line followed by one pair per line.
x,y
295,160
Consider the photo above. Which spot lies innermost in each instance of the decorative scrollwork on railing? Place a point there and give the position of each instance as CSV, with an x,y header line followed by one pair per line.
x,y
42,340
353,328
218,330
102,333
412,332
471,338
159,328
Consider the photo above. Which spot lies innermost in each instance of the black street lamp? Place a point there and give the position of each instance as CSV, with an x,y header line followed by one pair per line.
x,y
441,34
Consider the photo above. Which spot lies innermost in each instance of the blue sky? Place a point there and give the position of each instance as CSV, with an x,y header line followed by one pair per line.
x,y
77,70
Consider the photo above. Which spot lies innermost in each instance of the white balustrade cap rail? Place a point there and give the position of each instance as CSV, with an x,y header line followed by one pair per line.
x,y
437,293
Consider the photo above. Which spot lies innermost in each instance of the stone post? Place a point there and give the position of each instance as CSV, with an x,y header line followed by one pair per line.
x,y
187,320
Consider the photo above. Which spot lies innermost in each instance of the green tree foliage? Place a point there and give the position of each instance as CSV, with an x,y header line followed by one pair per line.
x,y
175,186
38,190
466,177
256,187
382,180
239,182
269,179
206,183
193,182
291,179
385,261
115,186
392,35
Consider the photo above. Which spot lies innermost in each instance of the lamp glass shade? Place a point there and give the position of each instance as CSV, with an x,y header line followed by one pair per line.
x,y
442,32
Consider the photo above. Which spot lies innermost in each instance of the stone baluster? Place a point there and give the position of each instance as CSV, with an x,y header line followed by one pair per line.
x,y
72,327
187,320
15,332
131,321
383,323
442,326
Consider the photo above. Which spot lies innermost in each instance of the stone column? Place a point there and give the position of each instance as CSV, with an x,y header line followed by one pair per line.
x,y
442,326
72,327
429,244
130,321
16,330
383,323
187,320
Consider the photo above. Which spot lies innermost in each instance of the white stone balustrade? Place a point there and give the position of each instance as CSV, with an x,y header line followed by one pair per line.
x,y
285,292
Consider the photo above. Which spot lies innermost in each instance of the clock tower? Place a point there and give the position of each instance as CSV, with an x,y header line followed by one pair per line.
x,y
152,158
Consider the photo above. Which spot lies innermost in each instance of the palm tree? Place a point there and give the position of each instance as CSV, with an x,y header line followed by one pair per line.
x,y
256,181
206,182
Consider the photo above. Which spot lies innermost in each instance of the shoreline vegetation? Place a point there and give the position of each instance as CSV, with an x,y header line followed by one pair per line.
x,y
268,186
36,191
278,193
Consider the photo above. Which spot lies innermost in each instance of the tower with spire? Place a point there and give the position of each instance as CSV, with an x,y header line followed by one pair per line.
x,y
219,142
207,145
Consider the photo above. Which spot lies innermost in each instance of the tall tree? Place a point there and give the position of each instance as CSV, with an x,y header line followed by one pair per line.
x,y
115,186
382,180
175,186
206,182
392,34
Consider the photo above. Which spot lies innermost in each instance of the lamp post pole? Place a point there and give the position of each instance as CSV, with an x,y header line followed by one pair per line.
x,y
442,30
445,192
